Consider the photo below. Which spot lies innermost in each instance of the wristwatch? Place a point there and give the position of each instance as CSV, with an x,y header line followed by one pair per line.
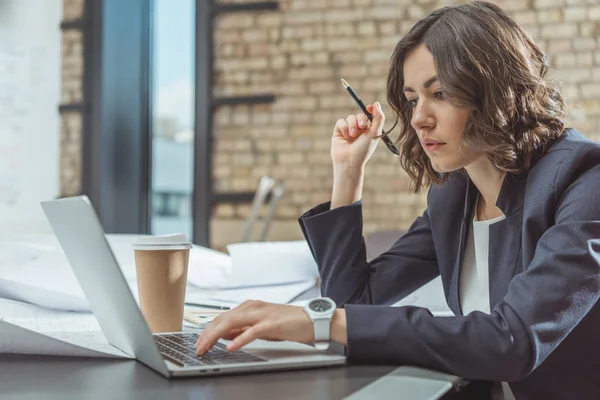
x,y
320,311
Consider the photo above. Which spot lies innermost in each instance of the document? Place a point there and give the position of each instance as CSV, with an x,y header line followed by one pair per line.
x,y
430,296
281,294
47,281
29,329
270,263
208,268
14,254
271,271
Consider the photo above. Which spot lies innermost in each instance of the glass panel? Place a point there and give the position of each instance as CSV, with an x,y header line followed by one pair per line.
x,y
173,117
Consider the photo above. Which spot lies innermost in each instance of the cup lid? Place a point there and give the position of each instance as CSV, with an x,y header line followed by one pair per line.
x,y
173,241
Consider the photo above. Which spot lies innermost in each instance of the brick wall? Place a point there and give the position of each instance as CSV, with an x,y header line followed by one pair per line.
x,y
299,53
71,93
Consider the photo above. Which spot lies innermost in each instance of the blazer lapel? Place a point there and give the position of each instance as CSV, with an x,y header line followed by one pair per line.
x,y
505,237
470,197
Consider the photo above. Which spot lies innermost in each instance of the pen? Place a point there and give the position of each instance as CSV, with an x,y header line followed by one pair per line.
x,y
214,307
357,99
390,145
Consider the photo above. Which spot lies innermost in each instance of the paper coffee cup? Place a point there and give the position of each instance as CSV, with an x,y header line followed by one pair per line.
x,y
161,264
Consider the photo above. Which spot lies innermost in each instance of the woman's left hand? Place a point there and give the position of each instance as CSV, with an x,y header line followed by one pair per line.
x,y
257,320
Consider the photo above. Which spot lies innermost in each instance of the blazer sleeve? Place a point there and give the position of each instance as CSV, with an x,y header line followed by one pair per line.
x,y
336,241
543,305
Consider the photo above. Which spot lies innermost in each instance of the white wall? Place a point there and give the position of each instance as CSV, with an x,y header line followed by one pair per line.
x,y
30,50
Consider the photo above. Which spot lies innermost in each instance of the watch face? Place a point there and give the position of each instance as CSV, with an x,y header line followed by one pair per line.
x,y
320,305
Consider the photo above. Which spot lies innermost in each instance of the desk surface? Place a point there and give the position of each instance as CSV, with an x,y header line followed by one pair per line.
x,y
34,377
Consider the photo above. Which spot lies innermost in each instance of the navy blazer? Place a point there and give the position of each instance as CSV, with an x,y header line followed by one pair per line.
x,y
543,333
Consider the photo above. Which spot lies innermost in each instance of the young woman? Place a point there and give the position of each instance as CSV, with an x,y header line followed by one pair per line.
x,y
512,221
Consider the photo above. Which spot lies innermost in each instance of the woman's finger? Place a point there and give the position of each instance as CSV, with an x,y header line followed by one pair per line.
x,y
378,119
258,331
341,128
246,314
213,324
213,333
363,121
352,126
234,333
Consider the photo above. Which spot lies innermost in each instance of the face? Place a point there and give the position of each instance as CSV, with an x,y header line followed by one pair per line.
x,y
438,124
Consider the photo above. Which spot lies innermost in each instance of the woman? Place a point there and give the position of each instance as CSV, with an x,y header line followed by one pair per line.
x,y
512,221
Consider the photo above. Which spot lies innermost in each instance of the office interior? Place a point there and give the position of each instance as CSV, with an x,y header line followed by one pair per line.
x,y
168,114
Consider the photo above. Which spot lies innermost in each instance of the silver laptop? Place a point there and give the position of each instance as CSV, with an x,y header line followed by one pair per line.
x,y
82,239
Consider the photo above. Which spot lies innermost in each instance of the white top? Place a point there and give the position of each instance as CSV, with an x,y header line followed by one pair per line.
x,y
474,287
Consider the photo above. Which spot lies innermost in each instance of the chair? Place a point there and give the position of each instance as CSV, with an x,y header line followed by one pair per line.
x,y
268,190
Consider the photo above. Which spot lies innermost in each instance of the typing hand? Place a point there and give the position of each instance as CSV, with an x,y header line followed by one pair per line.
x,y
257,320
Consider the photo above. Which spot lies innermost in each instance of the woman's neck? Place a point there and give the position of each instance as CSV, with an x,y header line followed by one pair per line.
x,y
488,180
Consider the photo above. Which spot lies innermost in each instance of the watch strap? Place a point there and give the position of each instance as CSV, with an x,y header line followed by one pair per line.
x,y
321,329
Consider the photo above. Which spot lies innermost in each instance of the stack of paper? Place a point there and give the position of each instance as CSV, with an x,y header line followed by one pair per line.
x,y
283,270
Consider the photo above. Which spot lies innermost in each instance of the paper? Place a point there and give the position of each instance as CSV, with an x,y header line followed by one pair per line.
x,y
270,263
14,254
430,296
198,319
49,280
281,294
208,268
28,329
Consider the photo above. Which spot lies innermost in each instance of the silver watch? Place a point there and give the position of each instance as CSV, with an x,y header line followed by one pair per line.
x,y
320,311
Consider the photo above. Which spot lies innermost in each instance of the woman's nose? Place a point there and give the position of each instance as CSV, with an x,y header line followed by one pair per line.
x,y
422,117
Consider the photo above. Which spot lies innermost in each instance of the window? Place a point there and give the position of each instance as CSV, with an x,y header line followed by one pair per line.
x,y
171,187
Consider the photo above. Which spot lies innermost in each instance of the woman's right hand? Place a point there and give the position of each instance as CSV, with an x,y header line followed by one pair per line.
x,y
354,138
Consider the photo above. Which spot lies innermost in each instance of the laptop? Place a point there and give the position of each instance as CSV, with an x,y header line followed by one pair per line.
x,y
82,239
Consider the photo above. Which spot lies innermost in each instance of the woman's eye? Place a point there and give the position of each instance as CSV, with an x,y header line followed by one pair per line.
x,y
412,103
438,95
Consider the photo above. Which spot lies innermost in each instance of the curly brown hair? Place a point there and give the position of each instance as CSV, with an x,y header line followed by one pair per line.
x,y
489,65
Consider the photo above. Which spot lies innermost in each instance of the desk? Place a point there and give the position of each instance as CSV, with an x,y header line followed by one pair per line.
x,y
53,378
34,377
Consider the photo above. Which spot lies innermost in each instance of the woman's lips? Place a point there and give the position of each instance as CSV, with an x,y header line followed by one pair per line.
x,y
433,146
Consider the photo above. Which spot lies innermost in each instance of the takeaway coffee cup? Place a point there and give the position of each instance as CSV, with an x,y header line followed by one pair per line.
x,y
161,264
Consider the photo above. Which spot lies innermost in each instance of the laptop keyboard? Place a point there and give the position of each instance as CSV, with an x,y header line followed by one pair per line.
x,y
180,347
